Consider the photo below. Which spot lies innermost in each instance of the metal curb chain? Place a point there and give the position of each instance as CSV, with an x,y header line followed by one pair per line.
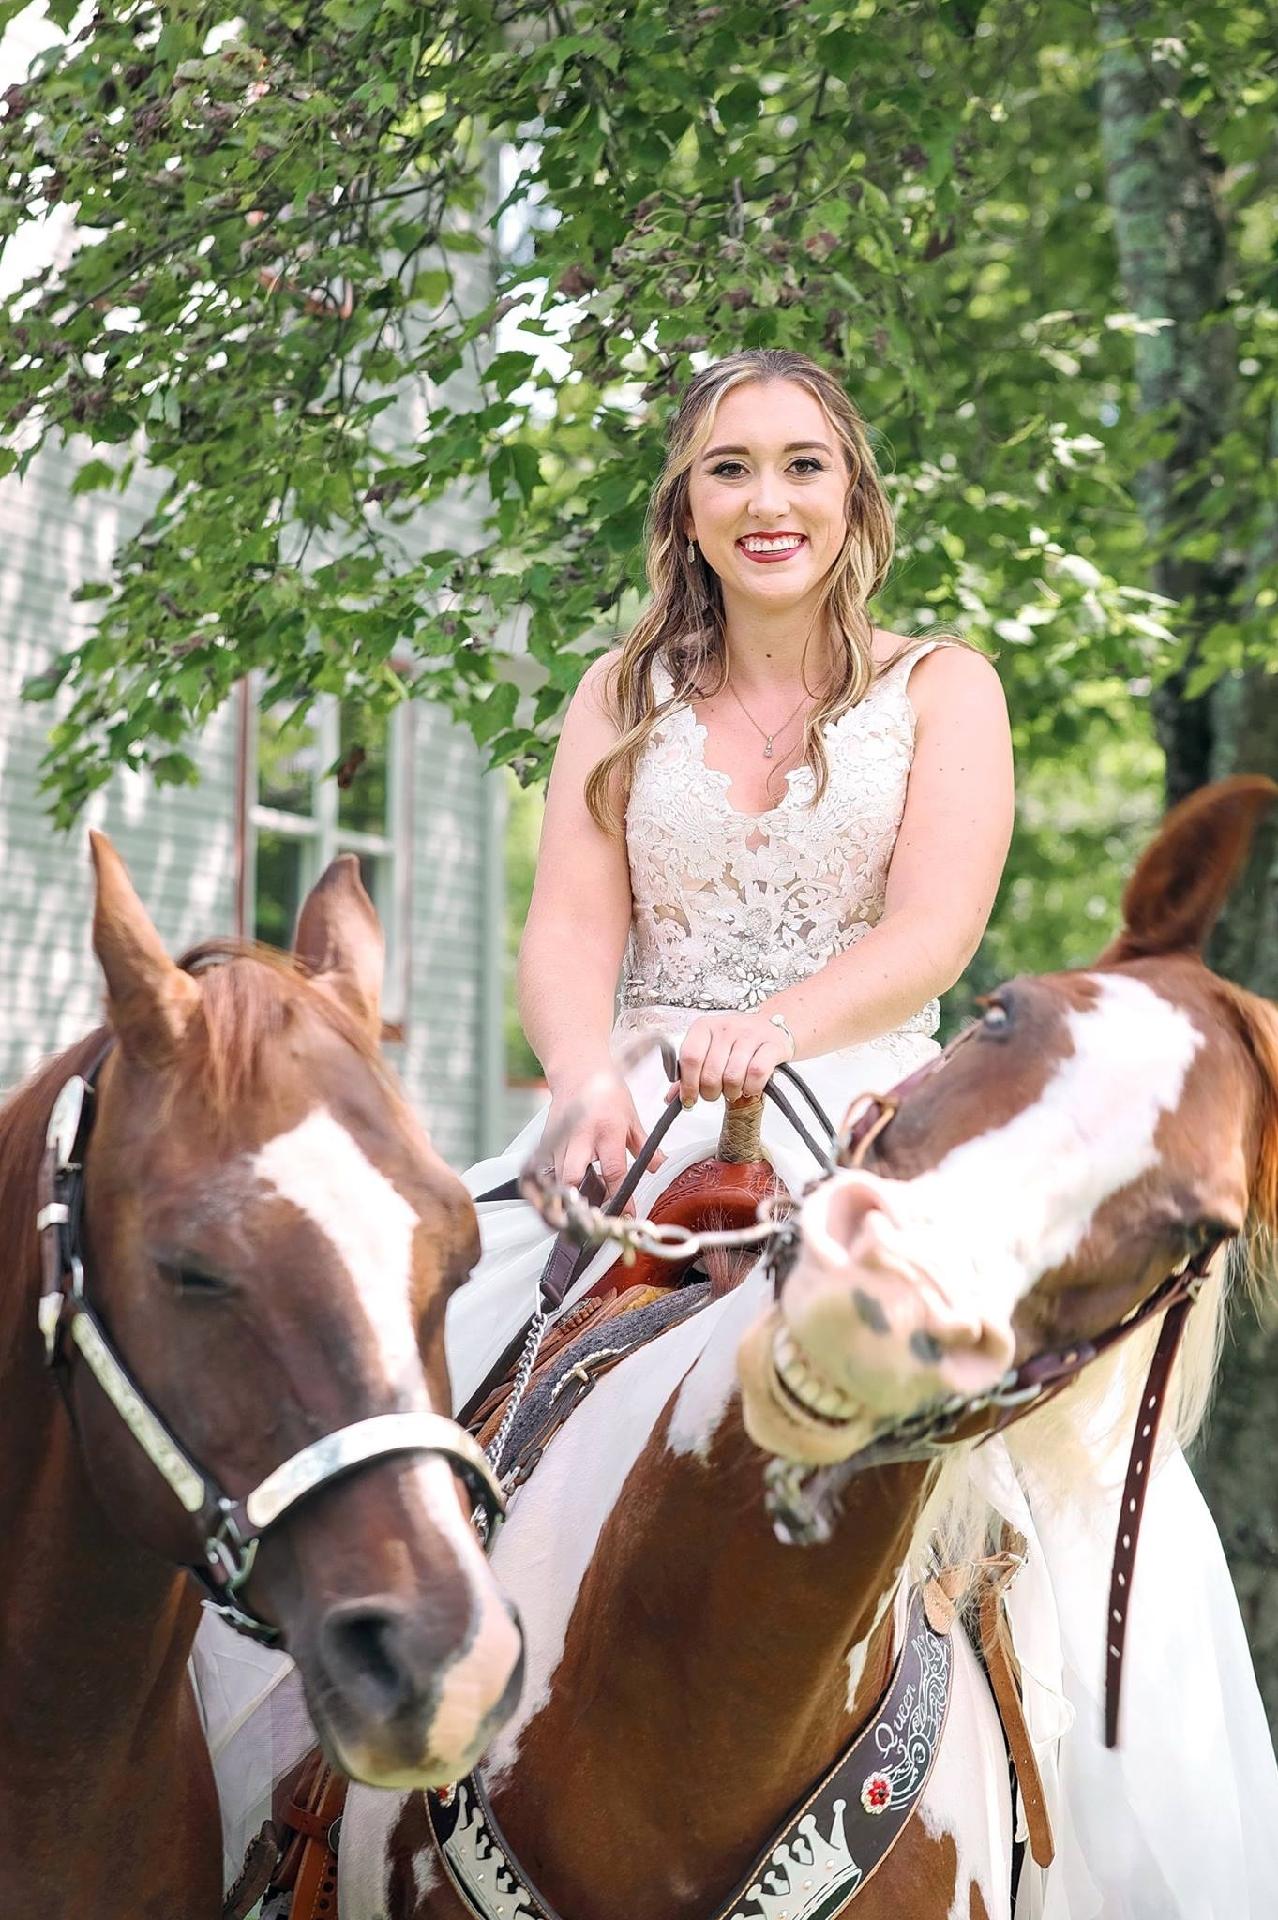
x,y
519,1387
564,1209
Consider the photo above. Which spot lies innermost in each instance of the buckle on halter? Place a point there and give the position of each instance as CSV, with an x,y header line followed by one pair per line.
x,y
228,1553
1016,1397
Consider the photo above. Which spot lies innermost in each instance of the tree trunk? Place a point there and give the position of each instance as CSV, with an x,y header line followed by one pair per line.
x,y
1245,724
1160,183
1172,255
1235,1463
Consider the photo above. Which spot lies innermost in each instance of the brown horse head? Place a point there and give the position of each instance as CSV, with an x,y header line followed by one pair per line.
x,y
270,1242
1092,1133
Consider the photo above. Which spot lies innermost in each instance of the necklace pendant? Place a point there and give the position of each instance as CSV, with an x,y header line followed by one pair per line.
x,y
767,748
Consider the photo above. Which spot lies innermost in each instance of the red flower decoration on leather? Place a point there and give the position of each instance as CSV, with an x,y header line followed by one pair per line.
x,y
876,1794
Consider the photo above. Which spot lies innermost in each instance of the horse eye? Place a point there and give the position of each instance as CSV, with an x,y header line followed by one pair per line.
x,y
996,1017
194,1282
1202,1234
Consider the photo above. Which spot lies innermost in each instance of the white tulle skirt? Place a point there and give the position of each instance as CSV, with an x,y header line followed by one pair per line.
x,y
1181,1823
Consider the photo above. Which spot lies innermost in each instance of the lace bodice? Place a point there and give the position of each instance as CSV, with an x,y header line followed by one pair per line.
x,y
732,907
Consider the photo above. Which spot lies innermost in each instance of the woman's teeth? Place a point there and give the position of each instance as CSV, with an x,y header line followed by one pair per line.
x,y
771,543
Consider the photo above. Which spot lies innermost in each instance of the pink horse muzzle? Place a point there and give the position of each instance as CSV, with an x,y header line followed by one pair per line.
x,y
865,1332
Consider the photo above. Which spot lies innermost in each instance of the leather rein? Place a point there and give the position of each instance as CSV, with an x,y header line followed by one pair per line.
x,y
230,1528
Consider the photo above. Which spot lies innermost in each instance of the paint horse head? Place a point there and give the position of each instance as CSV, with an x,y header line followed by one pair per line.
x,y
268,1243
1094,1132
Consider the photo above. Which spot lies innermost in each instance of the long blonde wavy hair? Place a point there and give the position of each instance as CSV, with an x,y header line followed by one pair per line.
x,y
683,624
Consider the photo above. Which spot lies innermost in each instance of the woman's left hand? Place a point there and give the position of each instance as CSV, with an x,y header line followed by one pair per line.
x,y
730,1055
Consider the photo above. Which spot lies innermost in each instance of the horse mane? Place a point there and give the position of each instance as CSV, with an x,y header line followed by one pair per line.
x,y
1256,1022
247,1007
244,1008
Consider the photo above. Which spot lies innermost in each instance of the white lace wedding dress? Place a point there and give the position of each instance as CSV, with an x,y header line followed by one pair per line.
x,y
729,908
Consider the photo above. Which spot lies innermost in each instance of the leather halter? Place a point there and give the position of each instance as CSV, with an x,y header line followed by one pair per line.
x,y
230,1528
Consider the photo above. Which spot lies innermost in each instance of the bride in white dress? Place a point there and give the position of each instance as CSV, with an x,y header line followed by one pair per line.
x,y
782,829
793,823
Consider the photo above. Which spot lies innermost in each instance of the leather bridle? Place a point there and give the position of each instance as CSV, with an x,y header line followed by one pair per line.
x,y
230,1528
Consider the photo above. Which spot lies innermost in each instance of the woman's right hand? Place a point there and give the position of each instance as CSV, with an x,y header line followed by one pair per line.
x,y
594,1122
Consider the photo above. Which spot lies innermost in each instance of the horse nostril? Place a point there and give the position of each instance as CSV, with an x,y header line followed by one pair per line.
x,y
366,1650
834,1219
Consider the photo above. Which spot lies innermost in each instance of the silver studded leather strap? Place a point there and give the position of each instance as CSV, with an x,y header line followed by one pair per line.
x,y
375,1438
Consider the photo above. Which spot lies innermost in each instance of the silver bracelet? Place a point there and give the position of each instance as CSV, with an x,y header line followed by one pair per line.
x,y
779,1020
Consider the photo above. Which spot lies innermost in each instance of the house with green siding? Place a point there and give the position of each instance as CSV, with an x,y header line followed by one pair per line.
x,y
235,854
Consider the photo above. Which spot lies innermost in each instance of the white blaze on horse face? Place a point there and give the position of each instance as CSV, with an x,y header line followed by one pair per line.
x,y
472,1686
320,1169
1004,1208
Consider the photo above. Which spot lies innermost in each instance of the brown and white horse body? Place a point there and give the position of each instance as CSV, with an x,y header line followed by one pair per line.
x,y
686,1674
689,1676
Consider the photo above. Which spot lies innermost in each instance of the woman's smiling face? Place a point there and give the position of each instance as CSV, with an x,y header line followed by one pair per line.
x,y
766,496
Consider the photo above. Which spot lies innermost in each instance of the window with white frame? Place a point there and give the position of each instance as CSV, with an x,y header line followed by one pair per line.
x,y
335,781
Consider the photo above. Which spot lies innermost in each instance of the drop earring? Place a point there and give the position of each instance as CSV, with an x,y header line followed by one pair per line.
x,y
697,583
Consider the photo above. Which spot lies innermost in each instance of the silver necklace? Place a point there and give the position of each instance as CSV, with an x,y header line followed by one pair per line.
x,y
766,737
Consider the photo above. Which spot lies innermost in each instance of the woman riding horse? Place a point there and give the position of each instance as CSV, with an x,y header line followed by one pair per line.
x,y
793,822
784,827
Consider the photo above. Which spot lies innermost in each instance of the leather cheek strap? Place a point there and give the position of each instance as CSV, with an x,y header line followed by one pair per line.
x,y
1139,1468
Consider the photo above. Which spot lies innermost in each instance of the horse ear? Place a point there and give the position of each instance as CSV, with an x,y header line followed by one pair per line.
x,y
1183,880
150,1001
339,938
